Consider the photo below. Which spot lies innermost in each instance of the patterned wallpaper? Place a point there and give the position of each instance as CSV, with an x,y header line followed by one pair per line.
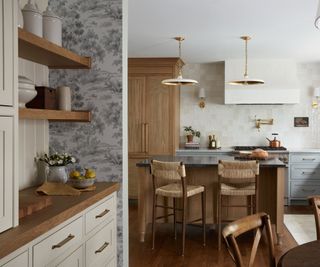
x,y
93,28
234,124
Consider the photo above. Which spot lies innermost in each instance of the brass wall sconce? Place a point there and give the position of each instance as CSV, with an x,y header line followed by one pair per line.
x,y
260,122
202,97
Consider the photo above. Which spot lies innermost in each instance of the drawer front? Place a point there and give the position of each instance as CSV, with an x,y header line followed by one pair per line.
x,y
20,261
54,245
305,171
100,213
102,245
73,260
112,262
303,190
305,158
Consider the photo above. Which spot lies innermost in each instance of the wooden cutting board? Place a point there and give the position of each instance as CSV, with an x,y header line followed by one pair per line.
x,y
30,203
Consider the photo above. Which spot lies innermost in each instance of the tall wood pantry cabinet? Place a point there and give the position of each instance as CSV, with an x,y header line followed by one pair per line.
x,y
8,115
153,112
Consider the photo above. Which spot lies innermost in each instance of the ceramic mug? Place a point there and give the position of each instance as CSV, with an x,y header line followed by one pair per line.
x,y
64,98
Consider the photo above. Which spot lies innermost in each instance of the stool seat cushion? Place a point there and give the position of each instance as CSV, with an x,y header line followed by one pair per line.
x,y
175,190
238,190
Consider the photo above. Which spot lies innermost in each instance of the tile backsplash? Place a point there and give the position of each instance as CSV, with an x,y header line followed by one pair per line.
x,y
235,124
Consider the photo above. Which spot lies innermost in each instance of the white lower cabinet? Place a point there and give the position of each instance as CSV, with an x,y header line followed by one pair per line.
x,y
19,261
68,244
101,246
73,260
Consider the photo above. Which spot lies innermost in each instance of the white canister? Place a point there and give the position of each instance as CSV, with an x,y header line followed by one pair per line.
x,y
52,27
32,19
20,16
64,96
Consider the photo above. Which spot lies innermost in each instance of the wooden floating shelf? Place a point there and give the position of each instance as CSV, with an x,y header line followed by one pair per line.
x,y
54,115
40,50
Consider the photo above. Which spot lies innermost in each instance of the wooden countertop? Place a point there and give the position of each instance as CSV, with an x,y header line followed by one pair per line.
x,y
63,208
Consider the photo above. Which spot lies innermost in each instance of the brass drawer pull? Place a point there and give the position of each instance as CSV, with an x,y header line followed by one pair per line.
x,y
102,213
102,248
63,242
308,159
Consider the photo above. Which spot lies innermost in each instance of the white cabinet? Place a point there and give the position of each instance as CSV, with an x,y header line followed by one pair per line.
x,y
74,260
7,52
304,175
21,260
6,172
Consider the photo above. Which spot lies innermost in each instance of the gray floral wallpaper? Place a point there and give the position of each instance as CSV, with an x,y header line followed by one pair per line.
x,y
93,28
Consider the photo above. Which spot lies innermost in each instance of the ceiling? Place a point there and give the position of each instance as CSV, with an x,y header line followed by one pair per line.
x,y
280,29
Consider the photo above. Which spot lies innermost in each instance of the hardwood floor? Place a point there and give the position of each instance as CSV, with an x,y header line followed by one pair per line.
x,y
166,251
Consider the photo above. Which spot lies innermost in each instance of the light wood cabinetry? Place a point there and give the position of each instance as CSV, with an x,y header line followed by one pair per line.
x,y
153,112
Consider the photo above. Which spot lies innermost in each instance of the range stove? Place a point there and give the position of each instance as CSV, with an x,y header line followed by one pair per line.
x,y
238,148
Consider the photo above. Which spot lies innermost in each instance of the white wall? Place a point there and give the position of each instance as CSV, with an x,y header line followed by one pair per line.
x,y
234,124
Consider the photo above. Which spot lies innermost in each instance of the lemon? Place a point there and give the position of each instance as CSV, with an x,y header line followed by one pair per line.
x,y
75,174
90,173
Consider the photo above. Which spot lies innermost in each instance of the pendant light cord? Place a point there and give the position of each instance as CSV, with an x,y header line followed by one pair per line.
x,y
180,67
246,60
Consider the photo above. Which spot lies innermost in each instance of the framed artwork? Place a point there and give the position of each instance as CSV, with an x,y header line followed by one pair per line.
x,y
301,121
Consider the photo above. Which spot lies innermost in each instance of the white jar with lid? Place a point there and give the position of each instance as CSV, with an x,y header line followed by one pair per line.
x,y
32,19
52,27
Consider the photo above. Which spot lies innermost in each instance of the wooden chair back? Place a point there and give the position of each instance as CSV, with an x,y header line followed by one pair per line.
x,y
315,203
257,222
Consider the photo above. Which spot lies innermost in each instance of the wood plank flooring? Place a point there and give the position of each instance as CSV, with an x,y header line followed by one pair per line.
x,y
166,250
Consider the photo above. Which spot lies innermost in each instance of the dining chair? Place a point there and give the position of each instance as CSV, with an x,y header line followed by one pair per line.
x,y
237,178
169,180
314,201
257,222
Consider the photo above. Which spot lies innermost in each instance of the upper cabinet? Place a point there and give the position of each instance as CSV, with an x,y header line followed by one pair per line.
x,y
280,76
7,49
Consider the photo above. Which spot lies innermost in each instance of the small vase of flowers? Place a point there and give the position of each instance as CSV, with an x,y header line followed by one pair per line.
x,y
56,171
190,133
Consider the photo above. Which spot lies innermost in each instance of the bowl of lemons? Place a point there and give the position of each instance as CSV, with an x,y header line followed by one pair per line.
x,y
80,181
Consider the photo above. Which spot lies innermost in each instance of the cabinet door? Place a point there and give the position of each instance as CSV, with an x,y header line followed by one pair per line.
x,y
20,261
74,260
159,110
136,115
135,173
6,173
7,46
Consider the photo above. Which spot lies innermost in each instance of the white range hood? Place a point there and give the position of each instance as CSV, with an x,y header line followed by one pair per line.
x,y
280,76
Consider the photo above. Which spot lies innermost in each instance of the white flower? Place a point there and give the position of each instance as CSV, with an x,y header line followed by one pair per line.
x,y
60,161
52,162
73,160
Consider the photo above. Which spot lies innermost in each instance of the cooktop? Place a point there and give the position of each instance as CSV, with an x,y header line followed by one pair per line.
x,y
261,147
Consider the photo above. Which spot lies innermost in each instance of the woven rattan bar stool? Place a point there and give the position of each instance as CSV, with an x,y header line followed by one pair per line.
x,y
169,180
237,178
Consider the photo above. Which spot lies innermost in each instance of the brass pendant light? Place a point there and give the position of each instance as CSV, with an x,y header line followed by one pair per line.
x,y
246,80
179,80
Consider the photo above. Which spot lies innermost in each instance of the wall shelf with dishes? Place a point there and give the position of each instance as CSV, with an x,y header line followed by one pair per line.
x,y
42,51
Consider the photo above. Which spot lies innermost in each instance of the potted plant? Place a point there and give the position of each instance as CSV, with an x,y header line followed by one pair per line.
x,y
190,133
57,163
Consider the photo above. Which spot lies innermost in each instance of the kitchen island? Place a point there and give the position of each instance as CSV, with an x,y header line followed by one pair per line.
x,y
202,170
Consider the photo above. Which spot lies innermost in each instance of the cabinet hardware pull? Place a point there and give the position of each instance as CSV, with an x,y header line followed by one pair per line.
x,y
308,159
147,137
308,172
102,248
310,190
63,242
102,213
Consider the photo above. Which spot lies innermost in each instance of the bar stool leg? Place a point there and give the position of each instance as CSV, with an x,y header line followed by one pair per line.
x,y
174,219
184,200
154,219
203,200
219,220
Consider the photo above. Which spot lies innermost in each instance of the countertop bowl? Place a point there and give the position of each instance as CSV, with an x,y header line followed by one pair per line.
x,y
81,183
27,91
